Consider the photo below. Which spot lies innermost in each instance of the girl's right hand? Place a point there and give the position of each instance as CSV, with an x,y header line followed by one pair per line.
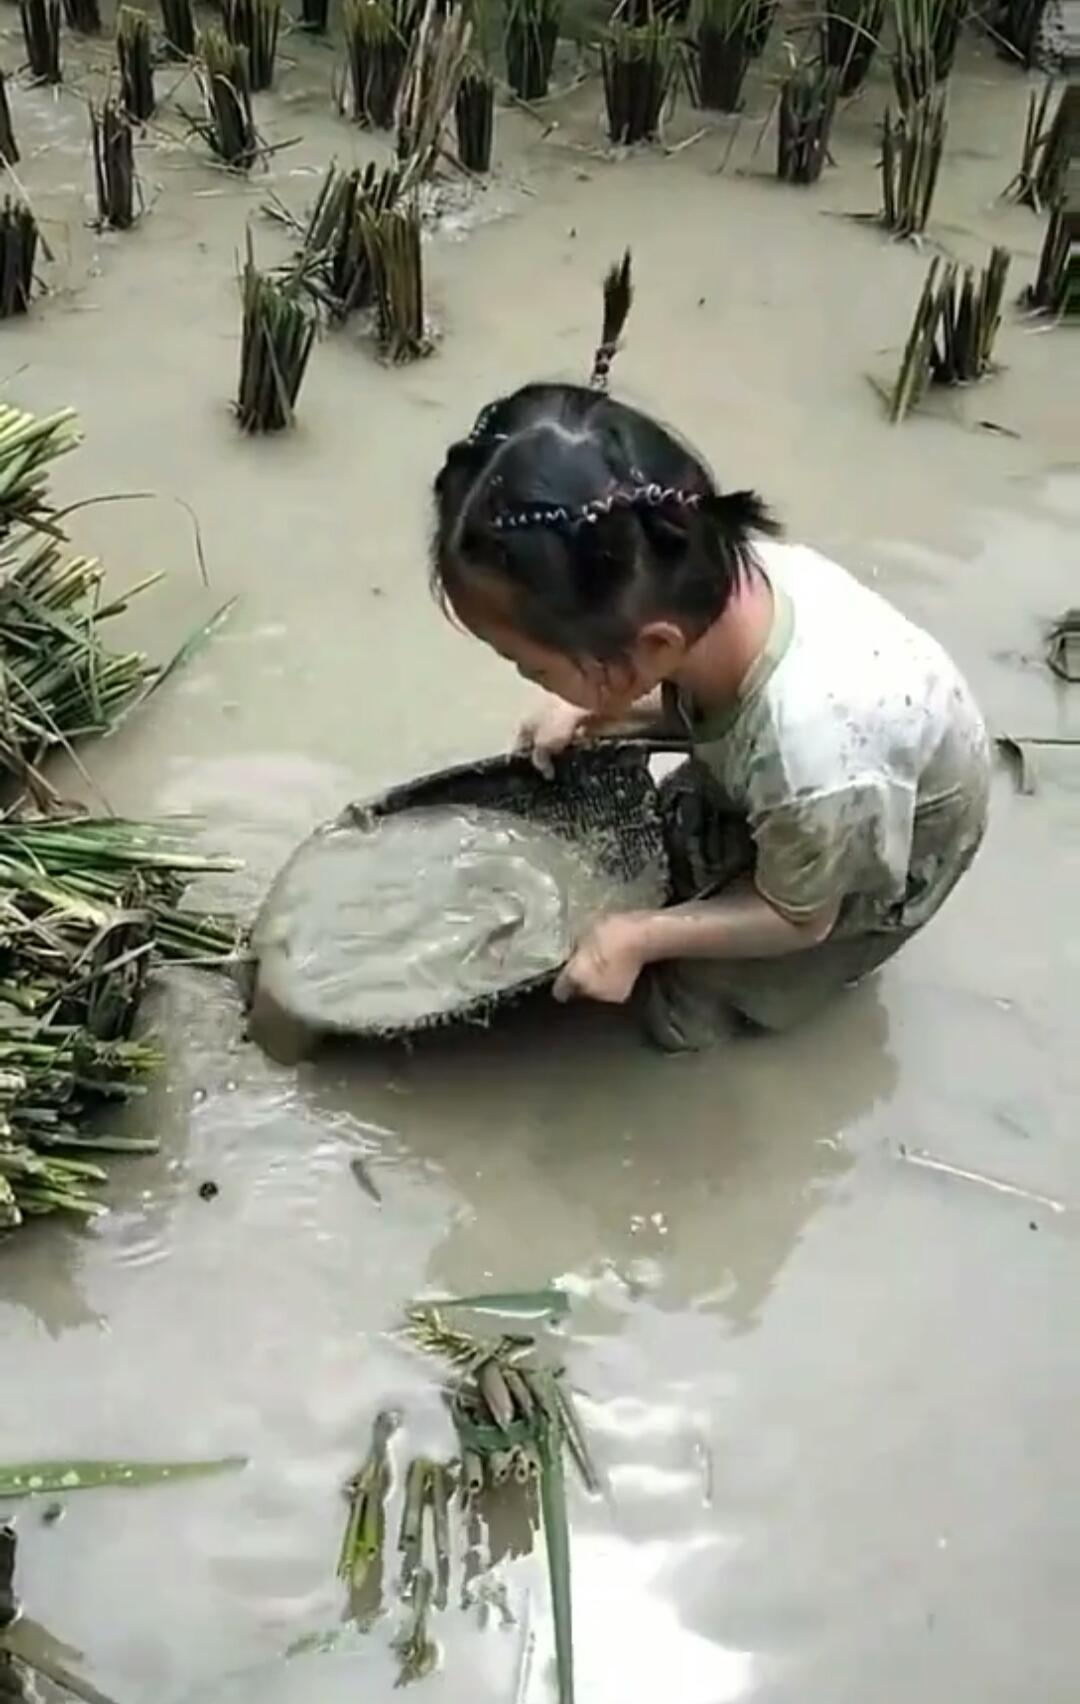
x,y
551,727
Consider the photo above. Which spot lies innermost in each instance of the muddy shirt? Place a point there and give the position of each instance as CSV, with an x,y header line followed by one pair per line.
x,y
855,751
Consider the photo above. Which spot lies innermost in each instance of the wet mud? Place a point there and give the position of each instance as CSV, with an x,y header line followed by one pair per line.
x,y
832,1383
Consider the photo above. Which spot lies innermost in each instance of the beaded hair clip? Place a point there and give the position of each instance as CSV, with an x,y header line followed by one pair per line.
x,y
651,496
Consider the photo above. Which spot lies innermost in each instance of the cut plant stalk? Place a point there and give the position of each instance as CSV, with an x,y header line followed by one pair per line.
x,y
278,335
1061,147
807,109
393,244
969,319
530,38
438,57
375,54
474,120
850,33
912,145
178,29
36,1478
927,33
417,1652
314,16
229,124
1056,287
723,55
360,1559
114,166
18,252
41,34
638,64
255,25
9,148
135,58
1018,30
83,16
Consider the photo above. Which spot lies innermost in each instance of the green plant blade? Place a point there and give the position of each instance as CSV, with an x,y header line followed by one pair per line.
x,y
32,1478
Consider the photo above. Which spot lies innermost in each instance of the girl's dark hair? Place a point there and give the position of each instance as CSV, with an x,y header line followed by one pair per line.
x,y
594,517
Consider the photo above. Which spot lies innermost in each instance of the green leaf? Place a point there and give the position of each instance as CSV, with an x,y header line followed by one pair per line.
x,y
550,1303
31,1478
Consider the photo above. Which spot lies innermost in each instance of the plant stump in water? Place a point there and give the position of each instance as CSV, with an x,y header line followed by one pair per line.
x,y
723,57
952,336
850,32
18,252
759,26
229,125
135,58
114,166
9,148
393,242
178,29
254,25
474,121
807,109
41,35
637,65
1060,148
375,55
911,149
1017,30
532,34
1056,287
278,335
83,16
927,33
437,60
314,16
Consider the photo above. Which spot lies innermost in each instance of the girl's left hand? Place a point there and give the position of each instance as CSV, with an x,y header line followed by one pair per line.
x,y
606,962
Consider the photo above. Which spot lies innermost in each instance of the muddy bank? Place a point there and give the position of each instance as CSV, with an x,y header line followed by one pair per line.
x,y
830,1385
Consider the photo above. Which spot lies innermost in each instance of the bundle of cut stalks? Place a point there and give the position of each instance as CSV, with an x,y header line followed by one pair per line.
x,y
228,127
927,33
438,55
1024,186
1060,148
254,25
18,252
912,146
41,34
807,109
514,1417
724,48
85,908
375,54
135,58
638,63
952,336
278,335
1056,288
474,119
83,16
850,32
9,148
28,446
334,261
531,35
178,28
392,239
114,165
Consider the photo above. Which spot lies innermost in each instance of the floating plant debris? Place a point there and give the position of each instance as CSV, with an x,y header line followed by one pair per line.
x,y
41,34
531,34
9,148
255,25
178,28
114,165
474,120
638,63
277,338
18,252
807,109
912,145
135,57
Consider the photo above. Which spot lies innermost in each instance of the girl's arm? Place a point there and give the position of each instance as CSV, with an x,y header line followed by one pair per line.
x,y
737,924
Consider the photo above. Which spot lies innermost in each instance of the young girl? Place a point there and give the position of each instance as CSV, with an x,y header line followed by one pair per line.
x,y
839,784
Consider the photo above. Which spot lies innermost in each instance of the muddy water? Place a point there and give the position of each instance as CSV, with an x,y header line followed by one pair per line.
x,y
834,1387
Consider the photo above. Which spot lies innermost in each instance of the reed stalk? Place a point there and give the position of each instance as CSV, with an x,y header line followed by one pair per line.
x,y
228,126
18,253
41,35
437,60
333,262
394,246
1056,286
530,37
255,25
759,26
723,51
927,33
83,16
638,63
375,55
952,335
178,29
912,145
9,148
474,120
278,335
850,32
135,58
114,165
807,109
1060,148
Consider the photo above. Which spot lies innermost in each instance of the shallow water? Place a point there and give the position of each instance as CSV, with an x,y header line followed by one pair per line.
x,y
410,918
833,1387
